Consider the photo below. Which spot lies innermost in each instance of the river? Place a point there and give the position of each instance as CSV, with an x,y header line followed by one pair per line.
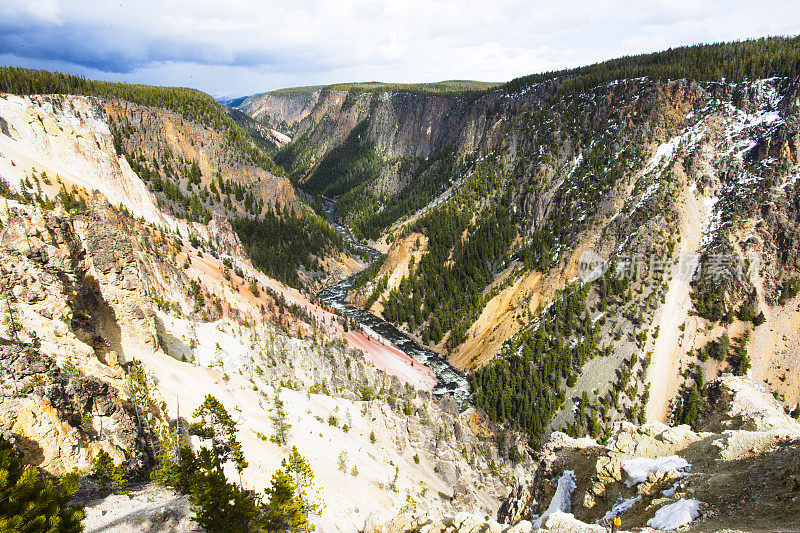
x,y
450,380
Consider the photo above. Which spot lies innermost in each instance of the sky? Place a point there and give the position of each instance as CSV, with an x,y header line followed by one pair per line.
x,y
241,47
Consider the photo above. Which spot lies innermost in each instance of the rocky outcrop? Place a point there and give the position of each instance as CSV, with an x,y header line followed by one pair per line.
x,y
84,276
222,237
516,507
739,404
643,468
460,523
78,288
60,420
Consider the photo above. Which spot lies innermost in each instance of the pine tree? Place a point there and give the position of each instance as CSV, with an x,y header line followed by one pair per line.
x,y
285,510
218,426
107,474
298,467
12,321
220,506
279,421
31,504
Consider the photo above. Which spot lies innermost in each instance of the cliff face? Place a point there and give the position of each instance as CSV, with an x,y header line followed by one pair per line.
x,y
661,176
400,125
121,332
78,292
153,134
69,139
282,112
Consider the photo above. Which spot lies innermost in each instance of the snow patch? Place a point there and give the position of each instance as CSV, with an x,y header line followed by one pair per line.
x,y
621,507
790,181
665,151
639,468
675,515
712,221
561,501
670,492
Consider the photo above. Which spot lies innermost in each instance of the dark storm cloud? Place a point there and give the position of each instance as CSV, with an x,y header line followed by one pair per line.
x,y
118,50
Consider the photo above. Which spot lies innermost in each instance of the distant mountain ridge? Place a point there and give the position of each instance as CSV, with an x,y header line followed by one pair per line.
x,y
230,101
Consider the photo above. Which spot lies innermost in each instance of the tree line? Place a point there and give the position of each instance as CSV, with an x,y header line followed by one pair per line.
x,y
524,385
192,104
734,61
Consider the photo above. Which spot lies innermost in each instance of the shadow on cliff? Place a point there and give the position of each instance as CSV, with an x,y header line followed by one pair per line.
x,y
94,320
172,345
30,450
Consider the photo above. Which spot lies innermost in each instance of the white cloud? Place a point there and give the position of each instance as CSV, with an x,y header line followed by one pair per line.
x,y
44,10
243,46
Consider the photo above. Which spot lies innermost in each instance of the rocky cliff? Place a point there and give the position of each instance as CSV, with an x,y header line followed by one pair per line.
x,y
660,177
736,473
121,329
171,141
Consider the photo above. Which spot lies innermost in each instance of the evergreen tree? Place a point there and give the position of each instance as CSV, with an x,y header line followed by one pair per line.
x,y
30,504
279,421
11,320
107,474
221,506
692,399
298,467
285,510
218,426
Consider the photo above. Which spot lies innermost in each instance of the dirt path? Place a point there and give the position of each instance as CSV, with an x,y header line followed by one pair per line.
x,y
663,372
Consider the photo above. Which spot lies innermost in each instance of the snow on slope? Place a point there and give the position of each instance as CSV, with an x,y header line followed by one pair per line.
x,y
675,515
621,507
639,468
717,133
561,501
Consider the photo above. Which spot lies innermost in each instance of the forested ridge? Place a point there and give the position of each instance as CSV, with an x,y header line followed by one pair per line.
x,y
736,61
346,166
444,291
524,385
192,104
369,214
280,240
441,88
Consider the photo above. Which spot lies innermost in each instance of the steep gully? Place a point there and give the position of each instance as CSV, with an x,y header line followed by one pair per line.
x,y
450,380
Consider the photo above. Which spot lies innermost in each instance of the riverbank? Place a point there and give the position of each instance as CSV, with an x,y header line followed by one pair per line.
x,y
448,379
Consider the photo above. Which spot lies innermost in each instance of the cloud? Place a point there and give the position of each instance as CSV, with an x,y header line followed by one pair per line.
x,y
244,46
